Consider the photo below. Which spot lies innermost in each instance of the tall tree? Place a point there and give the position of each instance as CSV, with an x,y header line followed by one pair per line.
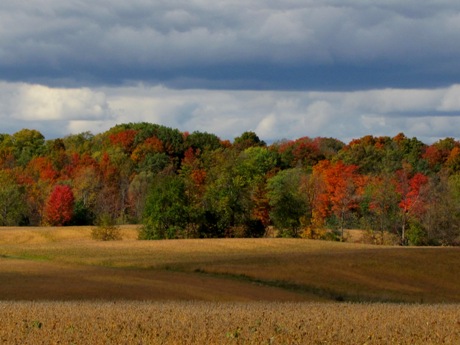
x,y
381,204
343,188
166,211
137,193
440,221
288,205
12,206
312,187
411,203
227,197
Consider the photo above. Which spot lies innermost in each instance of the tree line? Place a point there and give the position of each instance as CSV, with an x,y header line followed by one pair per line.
x,y
195,185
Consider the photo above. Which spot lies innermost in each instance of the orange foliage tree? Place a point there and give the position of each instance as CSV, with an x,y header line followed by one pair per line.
x,y
343,187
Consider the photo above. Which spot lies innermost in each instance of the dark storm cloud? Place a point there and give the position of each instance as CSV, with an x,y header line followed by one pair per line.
x,y
315,45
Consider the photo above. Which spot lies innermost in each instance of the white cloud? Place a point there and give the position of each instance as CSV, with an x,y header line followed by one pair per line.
x,y
268,127
426,114
37,102
451,99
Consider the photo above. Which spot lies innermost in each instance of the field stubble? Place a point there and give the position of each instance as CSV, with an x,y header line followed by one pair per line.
x,y
227,323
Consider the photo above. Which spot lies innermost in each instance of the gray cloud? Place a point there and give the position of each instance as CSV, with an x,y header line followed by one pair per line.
x,y
285,69
328,45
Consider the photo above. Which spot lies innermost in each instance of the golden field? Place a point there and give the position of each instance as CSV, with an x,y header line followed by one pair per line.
x,y
309,270
58,285
226,323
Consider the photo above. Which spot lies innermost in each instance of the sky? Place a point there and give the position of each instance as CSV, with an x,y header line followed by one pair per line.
x,y
281,68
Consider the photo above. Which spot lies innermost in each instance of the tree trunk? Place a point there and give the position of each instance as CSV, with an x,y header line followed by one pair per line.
x,y
403,230
342,217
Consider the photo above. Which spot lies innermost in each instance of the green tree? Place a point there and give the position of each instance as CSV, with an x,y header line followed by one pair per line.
x,y
367,153
203,141
154,162
228,194
55,150
246,140
166,210
12,206
255,163
288,204
27,145
80,143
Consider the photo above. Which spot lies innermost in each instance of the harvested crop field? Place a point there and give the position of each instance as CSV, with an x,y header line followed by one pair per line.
x,y
24,280
292,269
61,286
227,323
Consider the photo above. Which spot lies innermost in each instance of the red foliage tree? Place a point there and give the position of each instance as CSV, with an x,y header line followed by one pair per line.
x,y
439,152
59,206
304,150
76,163
409,189
124,139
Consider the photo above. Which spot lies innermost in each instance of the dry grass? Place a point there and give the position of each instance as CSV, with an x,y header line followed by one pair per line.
x,y
227,323
371,237
315,269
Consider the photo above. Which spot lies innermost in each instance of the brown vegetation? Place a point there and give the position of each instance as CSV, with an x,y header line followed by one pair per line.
x,y
227,323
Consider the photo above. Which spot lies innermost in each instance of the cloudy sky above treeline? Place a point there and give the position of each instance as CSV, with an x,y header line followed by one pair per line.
x,y
282,68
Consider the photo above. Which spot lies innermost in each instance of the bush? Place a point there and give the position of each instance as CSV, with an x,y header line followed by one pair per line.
x,y
416,235
106,233
106,230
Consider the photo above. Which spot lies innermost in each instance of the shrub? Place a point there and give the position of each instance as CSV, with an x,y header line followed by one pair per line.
x,y
106,233
106,230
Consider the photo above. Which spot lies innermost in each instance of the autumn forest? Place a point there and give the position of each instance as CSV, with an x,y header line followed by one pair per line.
x,y
195,185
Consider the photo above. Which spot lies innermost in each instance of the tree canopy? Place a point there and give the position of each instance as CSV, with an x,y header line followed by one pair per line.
x,y
180,185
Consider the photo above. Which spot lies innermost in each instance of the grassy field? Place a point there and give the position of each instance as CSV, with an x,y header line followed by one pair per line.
x,y
289,288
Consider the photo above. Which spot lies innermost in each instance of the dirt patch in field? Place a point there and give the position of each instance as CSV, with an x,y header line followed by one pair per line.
x,y
34,280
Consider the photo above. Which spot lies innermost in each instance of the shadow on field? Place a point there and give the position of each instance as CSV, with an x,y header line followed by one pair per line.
x,y
40,280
